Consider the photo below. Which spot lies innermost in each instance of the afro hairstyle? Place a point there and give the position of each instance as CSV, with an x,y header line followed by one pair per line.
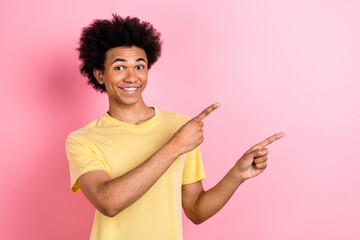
x,y
102,35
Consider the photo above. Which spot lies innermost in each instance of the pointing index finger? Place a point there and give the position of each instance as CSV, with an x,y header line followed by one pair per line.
x,y
267,141
206,112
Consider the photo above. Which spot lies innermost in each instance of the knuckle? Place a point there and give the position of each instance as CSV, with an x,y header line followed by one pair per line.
x,y
262,151
261,165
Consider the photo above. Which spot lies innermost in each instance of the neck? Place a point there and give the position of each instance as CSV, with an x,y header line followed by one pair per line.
x,y
133,114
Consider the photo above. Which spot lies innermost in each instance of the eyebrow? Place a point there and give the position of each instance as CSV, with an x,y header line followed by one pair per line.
x,y
123,60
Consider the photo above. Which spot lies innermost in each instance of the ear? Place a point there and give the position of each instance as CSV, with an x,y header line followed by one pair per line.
x,y
98,74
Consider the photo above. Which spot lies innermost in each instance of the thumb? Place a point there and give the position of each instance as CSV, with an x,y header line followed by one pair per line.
x,y
258,153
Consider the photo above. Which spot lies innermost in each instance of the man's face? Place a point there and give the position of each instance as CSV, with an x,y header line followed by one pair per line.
x,y
125,75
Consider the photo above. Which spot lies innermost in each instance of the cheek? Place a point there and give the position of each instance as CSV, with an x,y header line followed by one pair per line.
x,y
144,77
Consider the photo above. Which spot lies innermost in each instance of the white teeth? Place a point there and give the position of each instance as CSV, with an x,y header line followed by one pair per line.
x,y
130,89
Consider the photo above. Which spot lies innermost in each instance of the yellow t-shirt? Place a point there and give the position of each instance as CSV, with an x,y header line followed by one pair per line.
x,y
117,147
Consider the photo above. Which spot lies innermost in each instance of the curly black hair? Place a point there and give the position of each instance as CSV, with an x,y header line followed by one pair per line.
x,y
102,35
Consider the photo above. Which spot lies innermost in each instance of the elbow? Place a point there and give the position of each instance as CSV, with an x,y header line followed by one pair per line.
x,y
197,222
111,206
194,216
197,219
109,210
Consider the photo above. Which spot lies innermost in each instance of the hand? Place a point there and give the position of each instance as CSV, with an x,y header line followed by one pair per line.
x,y
190,135
253,162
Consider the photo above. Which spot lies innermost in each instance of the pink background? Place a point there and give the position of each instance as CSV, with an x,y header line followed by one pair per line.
x,y
277,65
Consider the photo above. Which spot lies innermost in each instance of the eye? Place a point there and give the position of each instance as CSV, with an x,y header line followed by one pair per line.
x,y
139,67
119,68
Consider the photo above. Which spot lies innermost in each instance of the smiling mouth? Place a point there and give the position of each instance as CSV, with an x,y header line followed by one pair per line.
x,y
130,90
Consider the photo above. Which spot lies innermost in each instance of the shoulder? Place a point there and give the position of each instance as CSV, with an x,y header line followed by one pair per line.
x,y
86,130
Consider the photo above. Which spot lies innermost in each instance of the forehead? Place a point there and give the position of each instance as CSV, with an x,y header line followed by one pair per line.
x,y
128,53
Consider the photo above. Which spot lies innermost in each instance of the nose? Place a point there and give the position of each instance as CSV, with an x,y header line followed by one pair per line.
x,y
131,76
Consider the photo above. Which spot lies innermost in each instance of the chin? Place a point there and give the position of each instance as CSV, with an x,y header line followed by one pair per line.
x,y
129,102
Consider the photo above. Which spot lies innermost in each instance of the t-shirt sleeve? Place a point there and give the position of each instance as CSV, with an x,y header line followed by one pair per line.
x,y
82,158
193,169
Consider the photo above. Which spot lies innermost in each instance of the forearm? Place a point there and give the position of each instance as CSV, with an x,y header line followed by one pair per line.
x,y
121,192
212,200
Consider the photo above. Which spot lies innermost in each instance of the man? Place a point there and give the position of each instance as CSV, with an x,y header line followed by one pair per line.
x,y
137,164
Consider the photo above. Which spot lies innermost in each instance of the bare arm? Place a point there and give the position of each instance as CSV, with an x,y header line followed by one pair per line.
x,y
111,196
200,205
